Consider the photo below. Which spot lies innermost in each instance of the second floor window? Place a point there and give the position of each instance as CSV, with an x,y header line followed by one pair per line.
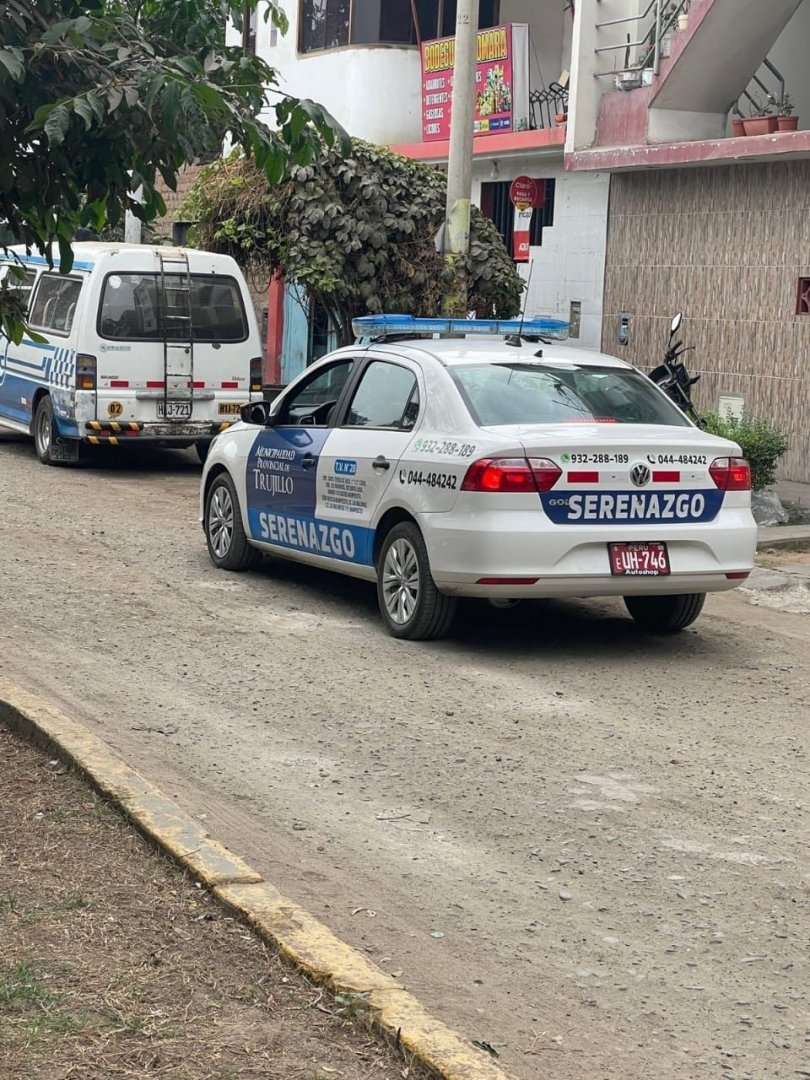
x,y
329,24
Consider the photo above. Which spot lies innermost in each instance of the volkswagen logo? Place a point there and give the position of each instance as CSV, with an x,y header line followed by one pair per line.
x,y
640,475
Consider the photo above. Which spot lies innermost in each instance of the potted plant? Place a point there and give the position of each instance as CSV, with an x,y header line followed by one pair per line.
x,y
683,18
785,119
760,122
560,119
737,126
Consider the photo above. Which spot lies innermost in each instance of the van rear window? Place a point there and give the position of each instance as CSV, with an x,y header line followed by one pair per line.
x,y
134,308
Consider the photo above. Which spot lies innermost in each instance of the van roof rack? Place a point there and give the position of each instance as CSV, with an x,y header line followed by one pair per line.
x,y
385,327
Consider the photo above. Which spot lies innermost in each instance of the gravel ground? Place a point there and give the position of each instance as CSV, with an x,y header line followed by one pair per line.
x,y
114,964
581,846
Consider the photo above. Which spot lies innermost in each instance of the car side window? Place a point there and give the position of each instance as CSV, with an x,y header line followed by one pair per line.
x,y
55,303
311,403
387,397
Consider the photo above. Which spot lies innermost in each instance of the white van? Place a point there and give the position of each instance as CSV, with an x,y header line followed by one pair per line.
x,y
141,344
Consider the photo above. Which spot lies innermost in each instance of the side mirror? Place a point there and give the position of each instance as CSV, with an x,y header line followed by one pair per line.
x,y
676,324
256,412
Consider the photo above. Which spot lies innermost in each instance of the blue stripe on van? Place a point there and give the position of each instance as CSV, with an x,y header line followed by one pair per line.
x,y
39,344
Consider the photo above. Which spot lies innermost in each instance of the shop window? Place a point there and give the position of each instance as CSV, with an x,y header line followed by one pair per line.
x,y
803,297
330,24
497,206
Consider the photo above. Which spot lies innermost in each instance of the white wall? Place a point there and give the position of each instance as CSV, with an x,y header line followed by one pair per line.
x,y
374,91
789,55
587,90
550,37
570,264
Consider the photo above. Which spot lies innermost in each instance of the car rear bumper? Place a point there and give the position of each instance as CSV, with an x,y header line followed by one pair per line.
x,y
471,551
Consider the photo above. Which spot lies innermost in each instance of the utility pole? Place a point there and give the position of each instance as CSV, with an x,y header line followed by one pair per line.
x,y
456,231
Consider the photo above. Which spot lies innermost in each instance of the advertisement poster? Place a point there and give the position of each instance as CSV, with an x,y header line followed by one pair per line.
x,y
521,234
525,194
499,83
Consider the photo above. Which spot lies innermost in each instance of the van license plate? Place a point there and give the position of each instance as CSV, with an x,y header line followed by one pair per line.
x,y
174,410
639,559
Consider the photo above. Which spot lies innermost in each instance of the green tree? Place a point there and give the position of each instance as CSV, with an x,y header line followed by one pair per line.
x,y
356,231
101,97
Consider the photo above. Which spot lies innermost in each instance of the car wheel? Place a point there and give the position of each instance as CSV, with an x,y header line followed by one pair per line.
x,y
224,533
665,614
44,431
410,604
202,446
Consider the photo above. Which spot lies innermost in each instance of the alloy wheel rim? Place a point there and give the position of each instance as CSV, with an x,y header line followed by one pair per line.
x,y
44,432
401,581
220,522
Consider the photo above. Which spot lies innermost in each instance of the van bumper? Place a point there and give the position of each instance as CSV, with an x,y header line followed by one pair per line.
x,y
167,432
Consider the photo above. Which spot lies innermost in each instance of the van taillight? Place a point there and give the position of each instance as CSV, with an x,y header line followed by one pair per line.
x,y
256,365
731,473
85,371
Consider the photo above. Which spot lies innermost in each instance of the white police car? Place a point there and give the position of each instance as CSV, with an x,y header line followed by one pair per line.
x,y
483,466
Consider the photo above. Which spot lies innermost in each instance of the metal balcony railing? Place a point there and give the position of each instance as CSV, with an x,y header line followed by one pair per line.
x,y
755,102
659,19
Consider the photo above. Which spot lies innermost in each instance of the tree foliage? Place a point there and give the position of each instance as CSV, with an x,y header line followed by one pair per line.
x,y
358,232
101,97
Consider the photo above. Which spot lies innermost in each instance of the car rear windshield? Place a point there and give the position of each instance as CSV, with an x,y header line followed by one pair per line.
x,y
533,393
135,308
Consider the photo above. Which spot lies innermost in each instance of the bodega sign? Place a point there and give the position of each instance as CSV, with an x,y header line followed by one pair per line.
x,y
501,82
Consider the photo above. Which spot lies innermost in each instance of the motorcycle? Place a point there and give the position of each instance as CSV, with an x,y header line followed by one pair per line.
x,y
672,376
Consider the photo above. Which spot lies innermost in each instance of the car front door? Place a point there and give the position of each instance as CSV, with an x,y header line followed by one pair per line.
x,y
282,465
365,446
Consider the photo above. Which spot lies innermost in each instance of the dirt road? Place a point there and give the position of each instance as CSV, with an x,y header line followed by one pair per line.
x,y
586,848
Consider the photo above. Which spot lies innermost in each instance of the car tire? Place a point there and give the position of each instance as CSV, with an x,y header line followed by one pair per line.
x,y
665,614
202,446
44,431
410,604
224,533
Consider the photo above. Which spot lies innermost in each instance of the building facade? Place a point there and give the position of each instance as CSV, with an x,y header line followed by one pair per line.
x,y
703,218
363,60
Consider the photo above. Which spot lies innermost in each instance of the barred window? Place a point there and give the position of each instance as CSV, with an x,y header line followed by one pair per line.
x,y
330,24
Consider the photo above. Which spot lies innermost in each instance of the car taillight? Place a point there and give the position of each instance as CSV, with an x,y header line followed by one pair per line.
x,y
85,371
546,473
256,375
514,474
731,473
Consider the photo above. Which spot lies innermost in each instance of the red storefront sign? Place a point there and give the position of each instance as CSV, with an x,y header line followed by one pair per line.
x,y
494,83
524,192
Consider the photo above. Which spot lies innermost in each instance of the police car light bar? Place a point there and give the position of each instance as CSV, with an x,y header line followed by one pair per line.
x,y
379,326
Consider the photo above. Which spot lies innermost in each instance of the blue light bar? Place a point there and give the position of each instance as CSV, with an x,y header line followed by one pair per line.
x,y
377,326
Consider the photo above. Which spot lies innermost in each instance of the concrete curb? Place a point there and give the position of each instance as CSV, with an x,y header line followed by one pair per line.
x,y
784,538
278,920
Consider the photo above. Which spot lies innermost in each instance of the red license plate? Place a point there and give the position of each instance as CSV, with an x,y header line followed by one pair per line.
x,y
641,559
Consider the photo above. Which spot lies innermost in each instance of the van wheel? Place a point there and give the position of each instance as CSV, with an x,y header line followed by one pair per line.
x,y
202,446
44,431
224,533
410,604
665,614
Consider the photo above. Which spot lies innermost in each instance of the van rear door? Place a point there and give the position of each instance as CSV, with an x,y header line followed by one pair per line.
x,y
176,342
